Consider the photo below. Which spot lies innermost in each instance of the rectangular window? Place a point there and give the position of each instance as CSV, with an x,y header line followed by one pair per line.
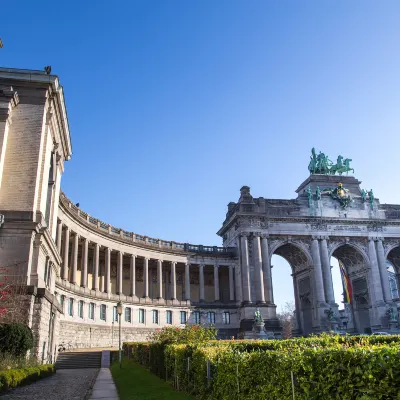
x,y
169,317
115,314
46,266
155,317
71,307
211,317
196,317
141,315
91,310
128,314
103,309
226,317
80,309
62,298
183,317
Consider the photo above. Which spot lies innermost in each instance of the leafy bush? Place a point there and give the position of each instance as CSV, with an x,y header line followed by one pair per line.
x,y
325,366
18,377
15,339
152,355
9,361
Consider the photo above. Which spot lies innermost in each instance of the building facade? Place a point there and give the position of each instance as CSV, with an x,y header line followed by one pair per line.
x,y
75,268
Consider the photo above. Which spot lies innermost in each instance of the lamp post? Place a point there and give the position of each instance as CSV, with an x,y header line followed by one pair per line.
x,y
119,311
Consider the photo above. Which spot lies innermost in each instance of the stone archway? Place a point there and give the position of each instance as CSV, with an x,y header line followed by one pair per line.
x,y
356,265
300,261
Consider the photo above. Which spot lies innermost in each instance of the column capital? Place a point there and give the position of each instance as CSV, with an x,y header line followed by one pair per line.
x,y
146,258
257,234
201,265
187,264
160,261
133,255
59,221
244,234
173,263
265,236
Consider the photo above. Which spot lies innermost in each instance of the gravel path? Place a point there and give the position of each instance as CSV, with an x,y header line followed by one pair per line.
x,y
65,384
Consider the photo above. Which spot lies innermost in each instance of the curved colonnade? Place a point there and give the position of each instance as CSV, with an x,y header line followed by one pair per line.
x,y
158,282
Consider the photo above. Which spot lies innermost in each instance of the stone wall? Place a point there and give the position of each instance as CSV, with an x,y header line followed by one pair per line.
x,y
86,336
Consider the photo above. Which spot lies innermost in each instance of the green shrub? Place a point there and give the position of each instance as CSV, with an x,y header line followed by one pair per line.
x,y
18,377
15,339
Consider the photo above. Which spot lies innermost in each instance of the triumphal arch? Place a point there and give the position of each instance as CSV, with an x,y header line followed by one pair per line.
x,y
332,216
71,269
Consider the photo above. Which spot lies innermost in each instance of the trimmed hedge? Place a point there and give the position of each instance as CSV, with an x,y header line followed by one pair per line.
x,y
17,377
325,367
15,339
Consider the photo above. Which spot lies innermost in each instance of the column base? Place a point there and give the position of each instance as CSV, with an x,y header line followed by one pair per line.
x,y
247,303
261,302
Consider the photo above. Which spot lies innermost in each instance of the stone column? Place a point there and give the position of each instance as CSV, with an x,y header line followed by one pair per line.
x,y
258,270
319,282
120,267
133,275
216,282
245,269
96,266
146,277
159,279
66,251
326,272
376,288
387,296
173,280
231,285
59,233
267,275
75,247
84,269
187,281
201,281
107,266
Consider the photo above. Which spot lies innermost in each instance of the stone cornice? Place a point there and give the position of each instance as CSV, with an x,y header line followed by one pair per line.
x,y
309,220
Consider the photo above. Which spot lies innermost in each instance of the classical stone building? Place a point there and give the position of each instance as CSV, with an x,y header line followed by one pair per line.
x,y
75,268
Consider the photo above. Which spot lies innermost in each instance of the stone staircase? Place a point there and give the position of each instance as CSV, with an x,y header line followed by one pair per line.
x,y
82,359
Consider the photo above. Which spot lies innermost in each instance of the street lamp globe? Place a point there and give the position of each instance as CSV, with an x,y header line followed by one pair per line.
x,y
119,308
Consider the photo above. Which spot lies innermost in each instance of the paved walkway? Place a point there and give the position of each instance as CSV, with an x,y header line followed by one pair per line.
x,y
104,388
65,384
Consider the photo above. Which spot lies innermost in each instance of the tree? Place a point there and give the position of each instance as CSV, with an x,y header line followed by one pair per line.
x,y
287,319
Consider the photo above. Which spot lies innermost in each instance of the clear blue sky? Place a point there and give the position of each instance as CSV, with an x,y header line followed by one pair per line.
x,y
174,105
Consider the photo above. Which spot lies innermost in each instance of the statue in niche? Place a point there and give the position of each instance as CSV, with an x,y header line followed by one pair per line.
x,y
363,195
318,193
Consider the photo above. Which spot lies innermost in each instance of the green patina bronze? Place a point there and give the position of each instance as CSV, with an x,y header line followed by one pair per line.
x,y
321,164
339,193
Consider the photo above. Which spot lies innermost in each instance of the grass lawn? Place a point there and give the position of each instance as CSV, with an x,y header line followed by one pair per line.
x,y
135,382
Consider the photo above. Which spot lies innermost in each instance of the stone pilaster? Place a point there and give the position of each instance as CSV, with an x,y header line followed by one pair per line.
x,y
84,269
319,282
258,270
231,283
380,252
173,280
75,247
133,275
216,281
159,279
375,275
267,275
96,266
107,266
59,235
187,281
146,277
326,272
201,281
120,266
245,269
66,251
